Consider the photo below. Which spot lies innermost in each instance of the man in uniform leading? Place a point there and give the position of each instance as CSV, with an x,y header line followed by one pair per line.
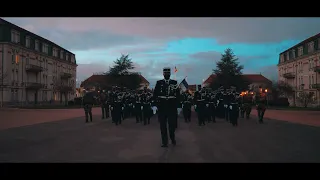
x,y
167,95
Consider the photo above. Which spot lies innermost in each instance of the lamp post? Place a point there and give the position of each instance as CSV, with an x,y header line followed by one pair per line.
x,y
266,91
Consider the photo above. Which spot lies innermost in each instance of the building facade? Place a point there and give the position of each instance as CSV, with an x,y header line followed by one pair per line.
x,y
34,70
256,81
299,67
98,79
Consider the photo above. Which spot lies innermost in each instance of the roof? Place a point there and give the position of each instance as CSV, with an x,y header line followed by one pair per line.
x,y
4,22
103,78
303,42
192,87
252,78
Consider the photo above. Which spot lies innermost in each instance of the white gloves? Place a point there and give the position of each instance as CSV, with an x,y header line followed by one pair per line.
x,y
207,105
230,107
122,108
141,107
111,108
133,106
195,106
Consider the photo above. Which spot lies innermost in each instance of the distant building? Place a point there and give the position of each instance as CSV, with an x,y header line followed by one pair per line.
x,y
34,69
93,81
300,68
256,81
192,88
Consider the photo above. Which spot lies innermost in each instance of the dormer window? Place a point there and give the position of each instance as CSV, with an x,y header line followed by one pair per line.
x,y
28,39
45,48
15,36
288,57
293,53
55,52
310,47
300,51
37,45
61,54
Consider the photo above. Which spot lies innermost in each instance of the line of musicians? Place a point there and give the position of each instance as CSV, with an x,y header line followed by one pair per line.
x,y
222,103
122,104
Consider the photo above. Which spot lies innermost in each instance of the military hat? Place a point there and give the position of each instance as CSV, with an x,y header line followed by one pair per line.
x,y
166,69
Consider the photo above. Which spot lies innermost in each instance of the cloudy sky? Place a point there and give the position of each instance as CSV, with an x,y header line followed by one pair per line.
x,y
193,45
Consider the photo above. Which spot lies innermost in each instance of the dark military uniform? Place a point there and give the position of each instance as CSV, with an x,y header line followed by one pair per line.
x,y
146,110
104,105
138,108
87,102
246,106
212,108
233,110
200,107
117,108
186,107
261,107
112,99
226,102
168,97
207,109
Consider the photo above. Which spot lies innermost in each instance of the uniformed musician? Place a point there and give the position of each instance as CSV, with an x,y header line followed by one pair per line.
x,y
87,102
186,107
104,104
167,93
233,110
138,108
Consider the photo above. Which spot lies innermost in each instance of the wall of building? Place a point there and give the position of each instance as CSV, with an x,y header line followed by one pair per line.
x,y
15,59
303,71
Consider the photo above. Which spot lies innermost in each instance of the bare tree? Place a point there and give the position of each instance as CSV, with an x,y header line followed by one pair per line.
x,y
3,83
287,90
3,78
305,98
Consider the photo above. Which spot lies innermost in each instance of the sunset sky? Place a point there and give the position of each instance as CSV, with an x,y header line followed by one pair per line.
x,y
193,45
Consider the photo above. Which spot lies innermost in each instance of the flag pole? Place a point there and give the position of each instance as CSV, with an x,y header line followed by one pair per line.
x,y
182,80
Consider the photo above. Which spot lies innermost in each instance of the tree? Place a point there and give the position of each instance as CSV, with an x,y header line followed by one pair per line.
x,y
305,98
122,66
3,83
228,72
287,90
120,75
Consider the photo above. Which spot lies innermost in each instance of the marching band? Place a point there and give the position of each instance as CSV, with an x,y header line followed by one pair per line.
x,y
208,104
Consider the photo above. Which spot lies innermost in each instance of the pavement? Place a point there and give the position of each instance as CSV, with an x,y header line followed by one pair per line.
x,y
62,136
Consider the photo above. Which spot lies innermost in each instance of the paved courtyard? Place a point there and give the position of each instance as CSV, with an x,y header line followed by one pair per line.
x,y
62,136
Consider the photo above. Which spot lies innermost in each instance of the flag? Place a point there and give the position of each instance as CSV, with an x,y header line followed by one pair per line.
x,y
175,69
184,85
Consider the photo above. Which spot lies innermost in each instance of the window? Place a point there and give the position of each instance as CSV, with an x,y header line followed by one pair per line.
x,y
300,51
15,36
309,63
55,52
293,54
281,58
27,41
45,48
61,54
67,56
287,58
310,47
319,43
312,80
309,80
36,46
